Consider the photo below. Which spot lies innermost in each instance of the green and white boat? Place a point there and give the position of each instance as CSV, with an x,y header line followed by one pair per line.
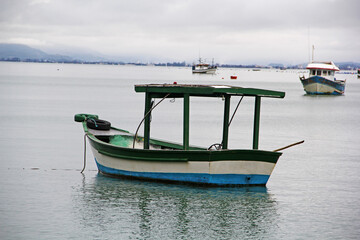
x,y
120,153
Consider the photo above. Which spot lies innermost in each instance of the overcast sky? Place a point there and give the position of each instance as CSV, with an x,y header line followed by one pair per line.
x,y
231,31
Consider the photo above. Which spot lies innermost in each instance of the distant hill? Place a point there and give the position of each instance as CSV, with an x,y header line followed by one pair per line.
x,y
25,53
276,65
348,65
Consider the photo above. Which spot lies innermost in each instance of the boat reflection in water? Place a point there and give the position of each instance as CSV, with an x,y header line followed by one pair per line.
x,y
150,210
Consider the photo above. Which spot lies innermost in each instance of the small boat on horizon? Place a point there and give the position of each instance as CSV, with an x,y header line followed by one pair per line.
x,y
321,80
202,67
119,153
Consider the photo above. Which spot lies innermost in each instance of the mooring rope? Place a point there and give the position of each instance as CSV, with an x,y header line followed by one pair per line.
x,y
94,121
135,136
84,153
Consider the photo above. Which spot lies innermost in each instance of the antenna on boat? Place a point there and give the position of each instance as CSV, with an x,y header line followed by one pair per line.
x,y
312,56
308,43
199,56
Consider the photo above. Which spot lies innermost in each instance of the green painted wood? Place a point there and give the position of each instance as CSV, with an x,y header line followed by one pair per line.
x,y
186,91
186,121
226,122
129,157
180,155
205,90
174,146
256,123
147,121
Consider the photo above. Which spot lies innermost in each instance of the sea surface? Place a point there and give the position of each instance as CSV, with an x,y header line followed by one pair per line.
x,y
313,193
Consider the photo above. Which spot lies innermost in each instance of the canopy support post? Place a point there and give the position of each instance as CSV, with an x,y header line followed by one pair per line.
x,y
226,122
186,121
147,121
256,123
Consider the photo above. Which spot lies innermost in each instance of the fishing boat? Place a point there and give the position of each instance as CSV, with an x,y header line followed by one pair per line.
x,y
202,67
322,79
119,153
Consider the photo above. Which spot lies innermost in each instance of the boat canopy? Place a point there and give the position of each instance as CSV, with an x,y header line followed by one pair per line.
x,y
185,91
323,65
178,90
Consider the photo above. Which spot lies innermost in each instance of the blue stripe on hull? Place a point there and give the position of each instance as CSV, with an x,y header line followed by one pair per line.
x,y
196,178
321,93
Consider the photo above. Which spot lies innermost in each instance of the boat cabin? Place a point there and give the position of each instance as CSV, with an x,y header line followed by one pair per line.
x,y
323,69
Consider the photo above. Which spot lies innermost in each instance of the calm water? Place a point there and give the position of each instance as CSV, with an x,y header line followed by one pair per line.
x,y
312,194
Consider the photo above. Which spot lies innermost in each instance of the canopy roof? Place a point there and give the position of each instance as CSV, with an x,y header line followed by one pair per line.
x,y
323,65
177,90
185,91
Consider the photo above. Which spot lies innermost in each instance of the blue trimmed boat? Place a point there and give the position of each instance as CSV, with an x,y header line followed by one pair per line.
x,y
119,153
202,67
322,79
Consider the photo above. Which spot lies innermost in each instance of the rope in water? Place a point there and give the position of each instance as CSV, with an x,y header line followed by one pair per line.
x,y
84,153
146,116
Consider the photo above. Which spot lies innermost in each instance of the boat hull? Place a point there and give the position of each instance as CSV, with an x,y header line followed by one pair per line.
x,y
316,85
220,168
209,71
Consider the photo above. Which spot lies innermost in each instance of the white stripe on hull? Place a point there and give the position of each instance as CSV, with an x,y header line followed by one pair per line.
x,y
213,70
216,167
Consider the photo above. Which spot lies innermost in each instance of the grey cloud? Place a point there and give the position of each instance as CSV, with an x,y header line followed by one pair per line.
x,y
179,27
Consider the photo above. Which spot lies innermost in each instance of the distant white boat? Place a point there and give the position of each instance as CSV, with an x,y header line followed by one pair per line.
x,y
202,67
322,79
